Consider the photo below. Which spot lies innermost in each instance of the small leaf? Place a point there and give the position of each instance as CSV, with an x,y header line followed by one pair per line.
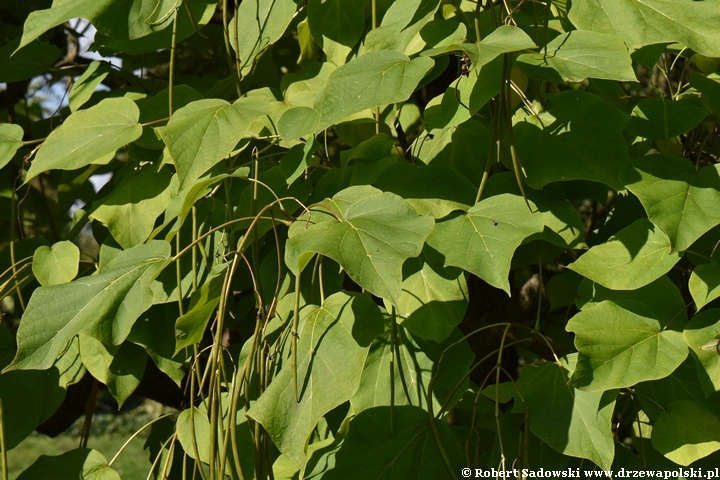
x,y
574,422
686,432
86,84
619,348
701,335
81,463
256,25
295,160
396,443
88,136
120,368
632,258
332,346
189,328
10,140
484,240
580,54
682,201
56,265
369,233
104,305
194,432
704,284
204,132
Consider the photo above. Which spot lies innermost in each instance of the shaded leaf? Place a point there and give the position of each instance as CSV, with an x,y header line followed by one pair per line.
x,y
700,331
57,264
682,201
682,384
81,463
88,136
397,445
10,140
484,240
632,258
337,25
332,346
704,284
662,119
571,421
27,62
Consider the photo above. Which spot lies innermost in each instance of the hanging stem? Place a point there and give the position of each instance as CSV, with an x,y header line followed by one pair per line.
x,y
294,337
172,64
13,226
2,443
393,340
89,411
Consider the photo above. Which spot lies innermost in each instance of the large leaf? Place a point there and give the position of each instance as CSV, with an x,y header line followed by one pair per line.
x,y
580,54
682,201
332,346
646,22
33,60
256,25
369,233
416,362
82,463
484,240
372,80
336,25
619,347
131,208
584,142
701,334
663,119
10,140
89,136
119,367
686,432
571,421
204,132
632,258
104,306
396,444
56,265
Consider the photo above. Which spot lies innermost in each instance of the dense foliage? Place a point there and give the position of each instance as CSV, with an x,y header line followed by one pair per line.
x,y
364,238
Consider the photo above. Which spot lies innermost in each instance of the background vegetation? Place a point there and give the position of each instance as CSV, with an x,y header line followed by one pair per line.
x,y
360,238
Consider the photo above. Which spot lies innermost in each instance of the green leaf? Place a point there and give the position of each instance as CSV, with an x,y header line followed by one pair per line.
x,y
82,463
369,233
104,306
682,384
86,84
663,119
296,159
332,346
204,132
119,367
131,208
704,284
433,299
396,443
434,189
372,80
33,60
584,142
10,140
686,432
682,201
580,54
709,89
190,327
619,347
504,39
484,240
56,265
416,362
571,421
256,25
336,25
400,24
88,136
632,258
646,22
194,432
701,330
